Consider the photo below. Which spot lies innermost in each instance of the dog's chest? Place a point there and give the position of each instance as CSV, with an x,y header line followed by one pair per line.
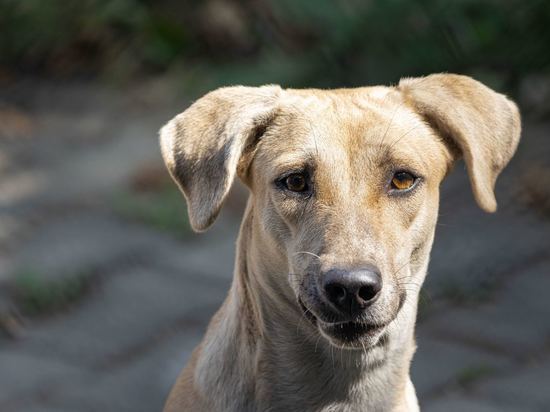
x,y
333,390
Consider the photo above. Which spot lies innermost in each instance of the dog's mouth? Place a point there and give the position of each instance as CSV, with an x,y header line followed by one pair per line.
x,y
351,334
354,334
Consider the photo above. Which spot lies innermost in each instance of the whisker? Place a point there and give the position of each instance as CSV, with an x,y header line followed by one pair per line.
x,y
317,342
410,284
400,268
307,253
402,136
389,125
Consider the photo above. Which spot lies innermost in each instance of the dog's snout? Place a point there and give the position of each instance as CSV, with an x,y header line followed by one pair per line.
x,y
352,291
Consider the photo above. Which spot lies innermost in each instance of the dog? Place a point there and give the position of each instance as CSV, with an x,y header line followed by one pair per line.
x,y
336,236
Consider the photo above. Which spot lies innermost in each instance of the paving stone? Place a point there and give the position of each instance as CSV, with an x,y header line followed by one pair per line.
x,y
133,308
23,373
15,187
142,385
109,165
210,254
527,389
78,242
462,403
472,247
121,348
64,173
514,322
437,364
37,406
86,240
473,250
6,267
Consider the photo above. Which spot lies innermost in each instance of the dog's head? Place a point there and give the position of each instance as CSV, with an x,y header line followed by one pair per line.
x,y
345,183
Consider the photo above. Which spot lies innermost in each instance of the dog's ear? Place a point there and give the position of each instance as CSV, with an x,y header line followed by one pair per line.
x,y
483,125
203,145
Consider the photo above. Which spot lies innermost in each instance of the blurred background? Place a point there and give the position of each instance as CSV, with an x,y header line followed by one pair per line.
x,y
104,290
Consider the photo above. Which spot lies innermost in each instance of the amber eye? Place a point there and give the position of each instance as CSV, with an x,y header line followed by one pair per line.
x,y
296,182
402,181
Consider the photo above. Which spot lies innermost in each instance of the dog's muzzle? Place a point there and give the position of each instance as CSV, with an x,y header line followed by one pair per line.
x,y
339,305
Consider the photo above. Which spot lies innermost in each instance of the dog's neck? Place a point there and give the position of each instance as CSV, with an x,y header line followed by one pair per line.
x,y
273,360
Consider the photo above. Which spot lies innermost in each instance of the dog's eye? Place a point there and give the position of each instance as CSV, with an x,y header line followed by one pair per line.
x,y
402,181
296,182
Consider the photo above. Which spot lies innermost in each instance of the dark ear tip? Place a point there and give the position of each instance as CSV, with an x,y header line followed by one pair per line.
x,y
199,220
199,229
199,226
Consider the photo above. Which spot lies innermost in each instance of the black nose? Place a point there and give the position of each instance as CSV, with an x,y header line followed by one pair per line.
x,y
352,291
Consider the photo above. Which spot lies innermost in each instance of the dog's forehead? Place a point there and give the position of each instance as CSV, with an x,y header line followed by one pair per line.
x,y
346,123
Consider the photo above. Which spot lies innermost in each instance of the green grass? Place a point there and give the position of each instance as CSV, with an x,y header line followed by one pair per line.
x,y
467,293
36,294
470,375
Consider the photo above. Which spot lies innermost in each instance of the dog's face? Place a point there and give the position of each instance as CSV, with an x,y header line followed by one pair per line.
x,y
345,184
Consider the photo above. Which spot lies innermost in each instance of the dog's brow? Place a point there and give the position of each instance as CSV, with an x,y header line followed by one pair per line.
x,y
399,158
302,155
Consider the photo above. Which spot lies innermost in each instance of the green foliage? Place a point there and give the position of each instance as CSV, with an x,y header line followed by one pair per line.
x,y
38,295
87,35
295,42
383,40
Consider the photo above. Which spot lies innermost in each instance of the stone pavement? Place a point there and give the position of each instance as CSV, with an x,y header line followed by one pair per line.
x,y
101,301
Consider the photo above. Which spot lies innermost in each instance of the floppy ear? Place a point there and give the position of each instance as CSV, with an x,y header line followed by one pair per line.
x,y
484,125
203,145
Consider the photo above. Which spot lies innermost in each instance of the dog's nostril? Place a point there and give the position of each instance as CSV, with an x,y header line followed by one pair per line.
x,y
335,293
367,293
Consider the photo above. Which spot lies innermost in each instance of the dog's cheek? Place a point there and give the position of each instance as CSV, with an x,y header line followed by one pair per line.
x,y
286,214
422,234
302,248
272,222
407,209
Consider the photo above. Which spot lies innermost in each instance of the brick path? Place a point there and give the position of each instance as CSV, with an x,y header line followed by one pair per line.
x,y
68,173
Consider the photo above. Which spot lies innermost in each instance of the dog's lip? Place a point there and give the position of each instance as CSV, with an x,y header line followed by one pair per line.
x,y
349,322
364,327
350,334
308,313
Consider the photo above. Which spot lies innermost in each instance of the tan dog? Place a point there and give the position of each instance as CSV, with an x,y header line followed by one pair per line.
x,y
336,237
